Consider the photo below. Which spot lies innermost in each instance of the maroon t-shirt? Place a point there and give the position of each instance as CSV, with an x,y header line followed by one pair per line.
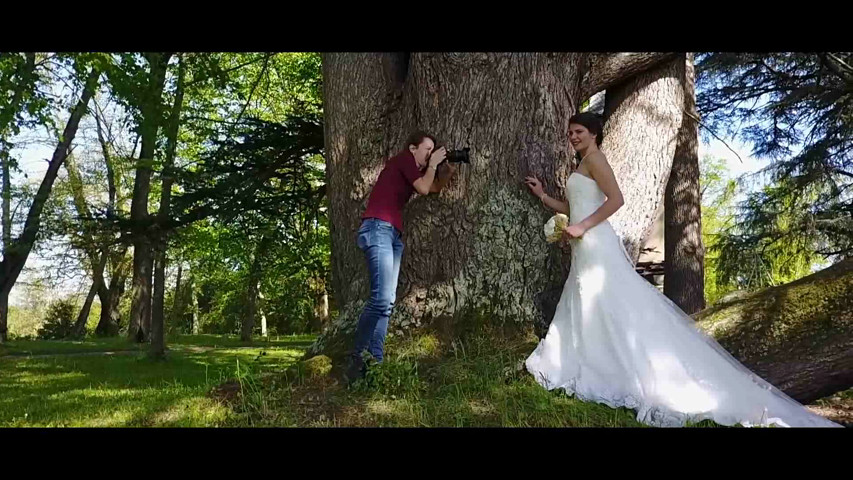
x,y
393,189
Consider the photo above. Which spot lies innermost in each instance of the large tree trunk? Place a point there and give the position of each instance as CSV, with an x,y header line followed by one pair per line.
x,y
158,336
476,250
643,118
18,250
140,310
798,336
684,262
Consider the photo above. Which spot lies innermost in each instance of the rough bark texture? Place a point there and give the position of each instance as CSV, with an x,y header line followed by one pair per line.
x,y
17,252
110,321
193,305
79,328
140,310
643,116
110,294
158,314
24,76
476,249
684,263
7,198
254,280
798,336
178,299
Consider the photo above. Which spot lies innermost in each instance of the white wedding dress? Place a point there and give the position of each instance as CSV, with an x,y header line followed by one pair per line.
x,y
615,339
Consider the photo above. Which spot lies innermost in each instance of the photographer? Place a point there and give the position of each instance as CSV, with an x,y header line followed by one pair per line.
x,y
413,169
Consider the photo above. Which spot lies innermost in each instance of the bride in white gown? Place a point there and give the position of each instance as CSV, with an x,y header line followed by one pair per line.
x,y
615,339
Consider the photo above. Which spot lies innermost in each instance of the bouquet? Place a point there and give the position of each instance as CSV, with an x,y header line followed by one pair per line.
x,y
554,227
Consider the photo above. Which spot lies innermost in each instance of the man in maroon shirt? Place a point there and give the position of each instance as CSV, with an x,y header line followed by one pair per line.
x,y
413,169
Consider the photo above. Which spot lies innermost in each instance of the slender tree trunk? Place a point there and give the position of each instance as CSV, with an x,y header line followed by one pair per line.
x,y
7,198
684,261
110,294
140,311
19,249
177,301
158,339
476,249
112,191
24,76
79,328
7,237
110,321
254,281
193,305
261,311
251,312
321,311
89,241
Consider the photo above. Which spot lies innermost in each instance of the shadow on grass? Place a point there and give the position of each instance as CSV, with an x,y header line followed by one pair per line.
x,y
128,390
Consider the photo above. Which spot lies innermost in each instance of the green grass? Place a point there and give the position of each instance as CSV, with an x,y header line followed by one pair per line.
x,y
94,344
479,383
130,390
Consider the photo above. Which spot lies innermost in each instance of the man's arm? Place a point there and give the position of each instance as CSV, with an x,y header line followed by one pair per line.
x,y
445,173
424,184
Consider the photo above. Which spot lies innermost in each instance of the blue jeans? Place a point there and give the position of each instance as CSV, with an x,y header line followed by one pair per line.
x,y
383,249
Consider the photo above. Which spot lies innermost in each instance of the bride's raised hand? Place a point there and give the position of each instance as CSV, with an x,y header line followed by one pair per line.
x,y
535,186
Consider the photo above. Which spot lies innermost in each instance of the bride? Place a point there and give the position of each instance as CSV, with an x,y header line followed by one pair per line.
x,y
615,339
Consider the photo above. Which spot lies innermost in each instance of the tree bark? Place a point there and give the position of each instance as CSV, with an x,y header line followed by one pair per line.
x,y
261,311
140,310
19,249
110,321
89,246
643,117
177,301
684,260
476,249
110,294
158,339
254,281
193,305
24,74
112,191
797,336
7,198
79,328
321,311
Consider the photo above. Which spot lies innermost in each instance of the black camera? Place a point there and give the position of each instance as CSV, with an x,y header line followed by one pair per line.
x,y
459,156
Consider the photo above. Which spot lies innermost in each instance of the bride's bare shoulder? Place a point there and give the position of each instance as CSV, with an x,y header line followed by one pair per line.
x,y
598,159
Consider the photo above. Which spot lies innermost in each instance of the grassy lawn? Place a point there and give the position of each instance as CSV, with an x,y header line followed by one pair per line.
x,y
217,381
129,389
